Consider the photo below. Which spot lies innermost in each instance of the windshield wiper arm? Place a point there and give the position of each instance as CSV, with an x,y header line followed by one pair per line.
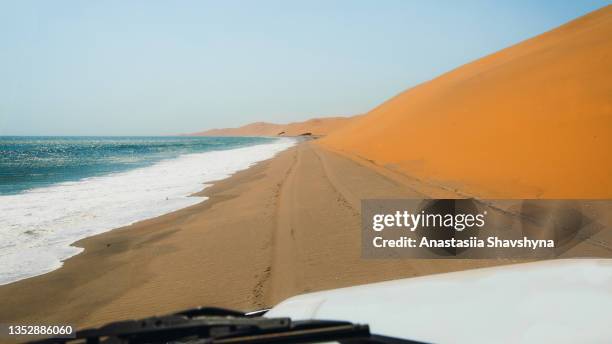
x,y
216,325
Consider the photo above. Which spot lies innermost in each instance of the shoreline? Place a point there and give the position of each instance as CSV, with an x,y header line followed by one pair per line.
x,y
70,211
285,226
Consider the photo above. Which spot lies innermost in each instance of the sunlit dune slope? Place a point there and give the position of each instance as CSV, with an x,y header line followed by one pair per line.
x,y
315,126
533,120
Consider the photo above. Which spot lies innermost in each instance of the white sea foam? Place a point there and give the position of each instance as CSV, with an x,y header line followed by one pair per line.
x,y
38,227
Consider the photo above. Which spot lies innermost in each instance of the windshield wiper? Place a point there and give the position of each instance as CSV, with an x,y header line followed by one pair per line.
x,y
216,325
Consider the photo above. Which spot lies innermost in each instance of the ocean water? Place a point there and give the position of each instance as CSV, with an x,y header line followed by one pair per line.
x,y
57,190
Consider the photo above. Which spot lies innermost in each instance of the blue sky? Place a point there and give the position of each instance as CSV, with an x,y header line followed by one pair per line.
x,y
166,67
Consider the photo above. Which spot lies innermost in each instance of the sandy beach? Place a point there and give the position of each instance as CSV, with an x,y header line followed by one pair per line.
x,y
286,226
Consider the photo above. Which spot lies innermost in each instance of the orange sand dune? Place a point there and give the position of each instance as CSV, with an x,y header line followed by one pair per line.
x,y
316,126
253,129
533,120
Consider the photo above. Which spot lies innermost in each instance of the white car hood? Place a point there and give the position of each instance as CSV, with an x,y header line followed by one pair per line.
x,y
560,301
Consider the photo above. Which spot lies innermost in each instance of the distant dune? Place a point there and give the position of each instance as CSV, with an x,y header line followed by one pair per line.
x,y
533,120
316,126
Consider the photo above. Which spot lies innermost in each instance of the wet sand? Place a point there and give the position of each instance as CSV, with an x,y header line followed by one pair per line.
x,y
286,226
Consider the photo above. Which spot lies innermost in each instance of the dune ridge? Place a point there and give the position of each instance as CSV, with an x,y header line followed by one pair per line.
x,y
530,121
315,126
